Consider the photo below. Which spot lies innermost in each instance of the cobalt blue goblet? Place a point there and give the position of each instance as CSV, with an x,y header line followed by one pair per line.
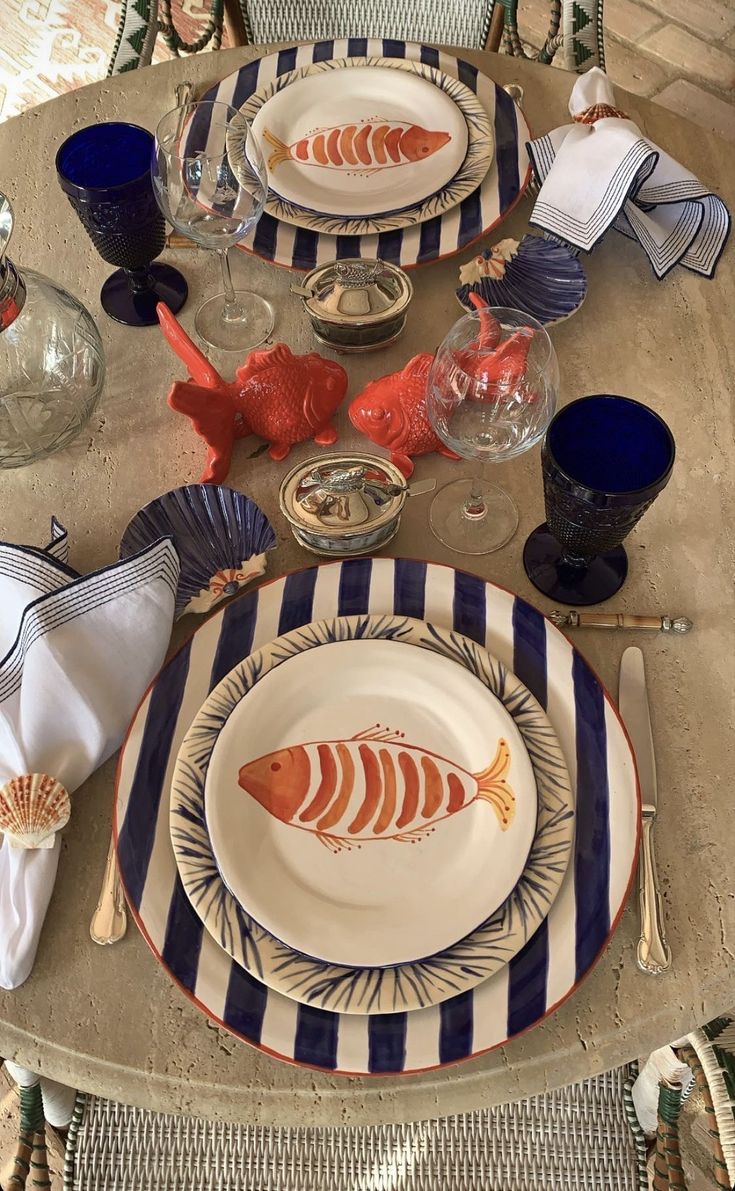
x,y
104,170
604,461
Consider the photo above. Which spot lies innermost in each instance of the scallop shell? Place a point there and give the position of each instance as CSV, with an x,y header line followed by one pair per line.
x,y
221,537
544,279
32,808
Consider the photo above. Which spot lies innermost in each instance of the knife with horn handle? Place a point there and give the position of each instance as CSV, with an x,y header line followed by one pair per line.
x,y
620,620
653,954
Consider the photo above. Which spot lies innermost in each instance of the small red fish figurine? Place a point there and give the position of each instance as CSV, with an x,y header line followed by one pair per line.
x,y
391,412
504,370
281,397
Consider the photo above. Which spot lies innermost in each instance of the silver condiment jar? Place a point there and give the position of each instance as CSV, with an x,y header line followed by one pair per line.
x,y
356,305
345,504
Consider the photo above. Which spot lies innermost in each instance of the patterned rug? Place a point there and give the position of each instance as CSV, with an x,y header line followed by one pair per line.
x,y
48,47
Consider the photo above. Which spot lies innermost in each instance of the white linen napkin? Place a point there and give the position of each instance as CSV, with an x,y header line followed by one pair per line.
x,y
76,655
603,172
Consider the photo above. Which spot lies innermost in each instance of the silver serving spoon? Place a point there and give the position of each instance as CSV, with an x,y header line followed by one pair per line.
x,y
109,921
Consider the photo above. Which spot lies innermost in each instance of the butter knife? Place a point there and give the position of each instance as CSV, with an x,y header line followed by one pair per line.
x,y
654,954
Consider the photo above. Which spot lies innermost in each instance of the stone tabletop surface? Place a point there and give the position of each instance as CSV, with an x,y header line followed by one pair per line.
x,y
109,1020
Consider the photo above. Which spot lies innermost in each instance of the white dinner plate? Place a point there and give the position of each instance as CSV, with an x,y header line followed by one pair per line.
x,y
368,822
361,141
478,158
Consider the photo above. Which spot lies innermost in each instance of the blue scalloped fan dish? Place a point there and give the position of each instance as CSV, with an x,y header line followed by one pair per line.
x,y
221,537
543,279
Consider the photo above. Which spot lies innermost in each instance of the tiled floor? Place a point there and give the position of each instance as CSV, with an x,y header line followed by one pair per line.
x,y
681,53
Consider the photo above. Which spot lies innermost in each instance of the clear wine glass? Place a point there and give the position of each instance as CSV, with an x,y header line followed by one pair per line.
x,y
492,392
199,194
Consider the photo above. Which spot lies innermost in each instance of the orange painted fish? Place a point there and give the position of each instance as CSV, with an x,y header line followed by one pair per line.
x,y
372,787
366,146
391,411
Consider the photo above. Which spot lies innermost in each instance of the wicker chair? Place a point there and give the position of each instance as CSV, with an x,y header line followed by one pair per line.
x,y
575,26
579,1138
30,1160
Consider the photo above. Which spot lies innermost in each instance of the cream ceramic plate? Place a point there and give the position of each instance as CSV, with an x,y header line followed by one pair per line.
x,y
477,161
366,821
361,141
360,990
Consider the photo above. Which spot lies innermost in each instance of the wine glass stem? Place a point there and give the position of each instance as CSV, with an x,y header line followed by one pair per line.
x,y
233,311
474,507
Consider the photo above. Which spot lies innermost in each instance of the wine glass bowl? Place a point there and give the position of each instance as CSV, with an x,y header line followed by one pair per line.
x,y
200,194
604,462
104,170
491,393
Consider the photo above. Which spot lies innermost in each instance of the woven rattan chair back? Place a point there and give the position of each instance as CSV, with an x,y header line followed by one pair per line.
x,y
461,23
575,26
581,1138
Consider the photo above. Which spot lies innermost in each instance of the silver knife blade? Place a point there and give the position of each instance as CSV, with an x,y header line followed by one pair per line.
x,y
633,702
653,953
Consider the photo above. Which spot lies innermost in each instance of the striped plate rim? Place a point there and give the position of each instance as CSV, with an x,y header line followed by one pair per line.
x,y
444,235
561,952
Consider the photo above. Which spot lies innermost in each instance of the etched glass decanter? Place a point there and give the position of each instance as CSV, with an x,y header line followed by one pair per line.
x,y
51,361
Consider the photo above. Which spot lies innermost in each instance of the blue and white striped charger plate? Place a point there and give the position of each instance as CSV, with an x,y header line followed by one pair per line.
x,y
502,187
555,959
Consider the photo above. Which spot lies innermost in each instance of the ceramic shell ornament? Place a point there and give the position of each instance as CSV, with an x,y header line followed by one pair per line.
x,y
33,808
221,537
538,276
391,412
281,397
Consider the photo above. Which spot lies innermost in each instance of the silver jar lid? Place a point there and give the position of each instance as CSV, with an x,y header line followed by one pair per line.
x,y
356,293
343,495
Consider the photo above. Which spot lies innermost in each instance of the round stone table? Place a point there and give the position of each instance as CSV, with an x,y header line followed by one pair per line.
x,y
110,1020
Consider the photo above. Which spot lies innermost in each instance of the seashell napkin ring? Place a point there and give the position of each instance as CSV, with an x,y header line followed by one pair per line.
x,y
598,111
33,808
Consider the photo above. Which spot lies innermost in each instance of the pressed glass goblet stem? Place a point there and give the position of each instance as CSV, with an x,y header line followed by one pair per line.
x,y
233,311
575,561
140,279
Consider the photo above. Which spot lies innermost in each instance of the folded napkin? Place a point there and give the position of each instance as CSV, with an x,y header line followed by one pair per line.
x,y
601,172
76,655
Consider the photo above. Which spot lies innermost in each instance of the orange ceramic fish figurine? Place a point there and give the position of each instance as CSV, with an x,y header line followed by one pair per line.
x,y
281,397
373,786
504,370
391,411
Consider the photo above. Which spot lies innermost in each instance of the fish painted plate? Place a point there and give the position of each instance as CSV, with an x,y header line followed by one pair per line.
x,y
501,188
459,967
360,142
477,160
356,842
556,958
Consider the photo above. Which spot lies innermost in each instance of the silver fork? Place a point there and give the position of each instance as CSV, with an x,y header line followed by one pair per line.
x,y
515,90
110,920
